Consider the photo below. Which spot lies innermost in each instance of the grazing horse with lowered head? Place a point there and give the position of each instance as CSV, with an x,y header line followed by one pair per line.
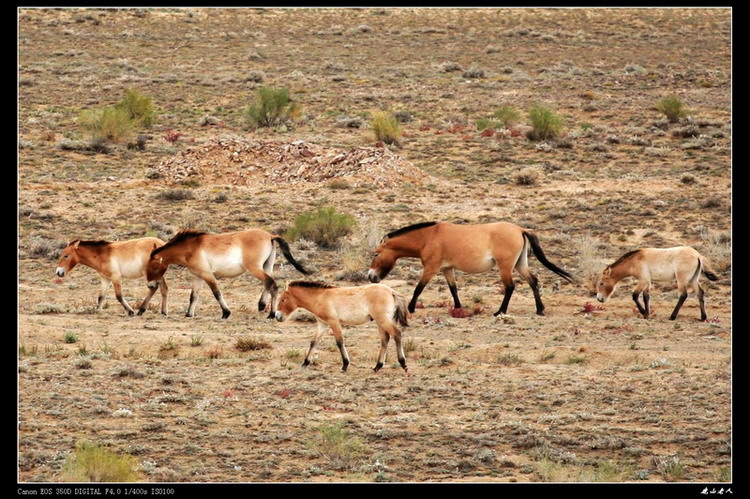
x,y
335,306
213,256
682,263
115,261
468,248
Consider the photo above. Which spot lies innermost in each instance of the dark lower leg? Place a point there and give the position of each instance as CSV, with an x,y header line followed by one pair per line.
x,y
677,308
534,283
642,311
509,288
454,294
702,303
417,292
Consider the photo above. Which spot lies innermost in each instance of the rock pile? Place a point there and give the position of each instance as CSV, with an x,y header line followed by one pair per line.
x,y
237,162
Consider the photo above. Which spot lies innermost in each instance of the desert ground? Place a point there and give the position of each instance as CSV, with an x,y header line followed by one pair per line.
x,y
589,392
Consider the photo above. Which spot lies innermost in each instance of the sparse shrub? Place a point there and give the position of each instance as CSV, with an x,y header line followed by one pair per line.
x,y
336,444
324,226
475,73
507,115
386,127
108,124
527,177
545,123
448,67
70,337
248,344
272,107
94,463
175,195
671,107
255,76
138,108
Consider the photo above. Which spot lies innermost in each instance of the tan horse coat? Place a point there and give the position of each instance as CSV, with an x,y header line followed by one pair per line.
x,y
682,264
339,306
115,261
447,247
210,257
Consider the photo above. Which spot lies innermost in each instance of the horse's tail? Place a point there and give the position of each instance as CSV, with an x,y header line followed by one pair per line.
x,y
284,247
707,271
401,313
539,254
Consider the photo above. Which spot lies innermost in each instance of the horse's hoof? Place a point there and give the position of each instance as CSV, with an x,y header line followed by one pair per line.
x,y
141,311
272,315
131,313
226,314
306,363
378,366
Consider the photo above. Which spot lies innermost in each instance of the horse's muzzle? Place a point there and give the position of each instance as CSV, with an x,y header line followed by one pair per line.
x,y
60,272
600,297
152,284
372,276
278,316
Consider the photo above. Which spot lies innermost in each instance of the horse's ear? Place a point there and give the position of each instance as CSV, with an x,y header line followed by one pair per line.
x,y
384,240
607,272
75,243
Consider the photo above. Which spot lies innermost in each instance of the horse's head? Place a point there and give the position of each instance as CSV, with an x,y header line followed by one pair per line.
x,y
286,307
605,285
382,262
155,269
68,259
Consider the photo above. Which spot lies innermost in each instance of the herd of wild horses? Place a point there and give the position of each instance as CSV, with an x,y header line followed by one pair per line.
x,y
441,246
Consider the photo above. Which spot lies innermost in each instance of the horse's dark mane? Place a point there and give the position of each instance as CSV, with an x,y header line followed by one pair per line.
x,y
99,242
312,284
181,236
626,256
409,228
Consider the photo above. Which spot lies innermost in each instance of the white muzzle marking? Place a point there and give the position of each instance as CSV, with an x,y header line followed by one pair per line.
x,y
279,316
60,272
600,297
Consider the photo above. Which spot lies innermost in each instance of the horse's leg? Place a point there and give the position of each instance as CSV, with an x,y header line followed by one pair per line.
x,y
196,287
163,288
429,271
700,293
450,276
314,343
396,334
506,274
642,287
682,289
102,298
270,288
118,294
146,300
266,293
214,285
339,336
523,269
384,338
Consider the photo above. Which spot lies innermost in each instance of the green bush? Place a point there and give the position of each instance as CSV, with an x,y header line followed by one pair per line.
x,y
672,107
272,107
507,116
545,123
503,117
139,108
386,127
108,124
324,226
93,463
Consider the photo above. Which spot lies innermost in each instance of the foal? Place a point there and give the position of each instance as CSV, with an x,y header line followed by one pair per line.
x,y
336,306
115,261
683,264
